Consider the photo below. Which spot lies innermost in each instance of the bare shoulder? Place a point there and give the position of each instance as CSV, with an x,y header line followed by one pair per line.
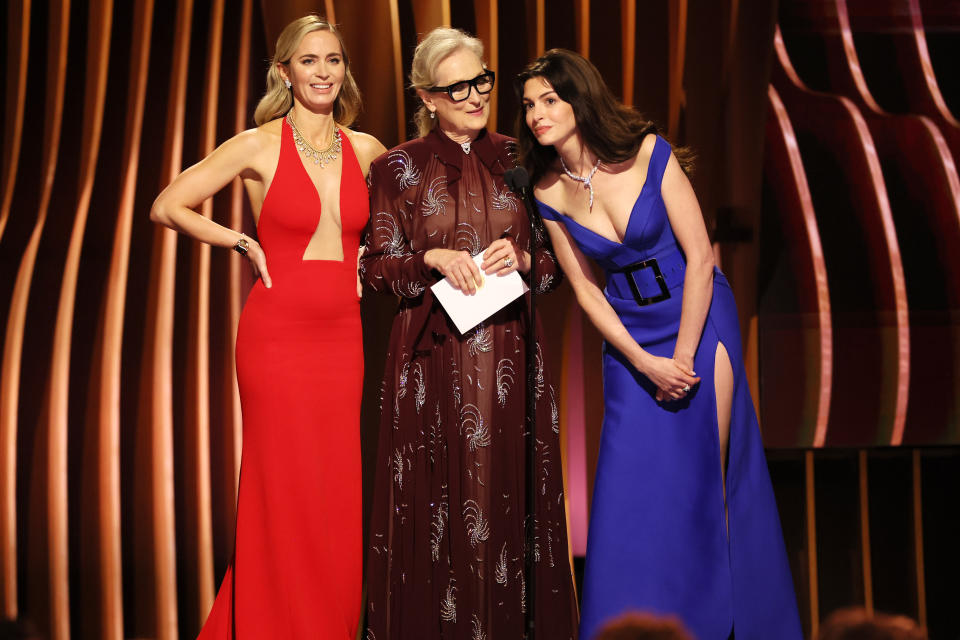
x,y
365,142
365,146
648,143
252,143
549,191
645,152
251,154
266,137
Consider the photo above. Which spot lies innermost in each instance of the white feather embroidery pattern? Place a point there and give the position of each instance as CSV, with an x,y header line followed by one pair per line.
x,y
467,239
502,200
505,380
437,527
455,381
545,468
554,412
511,148
420,393
545,282
540,382
478,633
448,606
480,341
398,468
407,289
385,226
435,201
500,571
478,529
523,591
474,427
550,546
404,171
434,429
404,374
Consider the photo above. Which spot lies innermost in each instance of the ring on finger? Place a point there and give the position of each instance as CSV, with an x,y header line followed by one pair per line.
x,y
508,262
686,388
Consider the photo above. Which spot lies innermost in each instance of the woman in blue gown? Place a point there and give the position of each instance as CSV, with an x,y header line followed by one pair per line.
x,y
683,519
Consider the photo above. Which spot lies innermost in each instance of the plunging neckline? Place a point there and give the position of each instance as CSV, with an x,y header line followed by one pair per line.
x,y
314,184
626,230
316,192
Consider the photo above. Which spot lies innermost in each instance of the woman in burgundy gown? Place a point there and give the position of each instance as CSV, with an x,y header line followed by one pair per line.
x,y
447,525
297,565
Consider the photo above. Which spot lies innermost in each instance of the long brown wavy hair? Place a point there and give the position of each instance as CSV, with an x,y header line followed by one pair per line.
x,y
610,130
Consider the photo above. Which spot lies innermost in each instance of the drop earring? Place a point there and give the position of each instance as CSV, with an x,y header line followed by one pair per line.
x,y
433,114
288,83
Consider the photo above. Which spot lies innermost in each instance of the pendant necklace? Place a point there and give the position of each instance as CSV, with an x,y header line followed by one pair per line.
x,y
586,181
466,147
322,157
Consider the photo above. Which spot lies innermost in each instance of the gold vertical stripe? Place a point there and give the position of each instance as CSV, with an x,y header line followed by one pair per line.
x,y
106,387
582,17
57,398
18,31
197,385
233,425
541,30
18,20
628,36
485,13
676,61
59,30
398,69
157,391
429,14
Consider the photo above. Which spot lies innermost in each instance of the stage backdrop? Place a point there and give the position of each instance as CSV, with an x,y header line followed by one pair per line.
x,y
826,146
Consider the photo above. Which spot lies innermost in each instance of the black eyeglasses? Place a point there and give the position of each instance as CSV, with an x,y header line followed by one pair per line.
x,y
460,91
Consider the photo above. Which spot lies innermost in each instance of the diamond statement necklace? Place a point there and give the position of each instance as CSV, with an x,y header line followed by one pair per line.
x,y
587,184
323,157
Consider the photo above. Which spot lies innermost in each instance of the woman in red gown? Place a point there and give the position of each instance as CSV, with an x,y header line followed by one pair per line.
x,y
297,566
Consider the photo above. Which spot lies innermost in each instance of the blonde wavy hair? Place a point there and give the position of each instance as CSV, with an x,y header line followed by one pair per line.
x,y
435,46
278,99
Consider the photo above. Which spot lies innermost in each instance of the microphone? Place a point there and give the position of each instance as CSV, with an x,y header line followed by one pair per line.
x,y
518,180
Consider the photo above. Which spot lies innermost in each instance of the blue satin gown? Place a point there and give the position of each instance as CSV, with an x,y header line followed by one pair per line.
x,y
657,539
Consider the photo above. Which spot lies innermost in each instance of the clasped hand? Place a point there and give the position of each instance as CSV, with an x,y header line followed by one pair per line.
x,y
673,378
503,256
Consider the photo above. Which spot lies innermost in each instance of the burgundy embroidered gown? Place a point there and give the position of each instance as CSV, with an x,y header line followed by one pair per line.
x,y
446,535
298,562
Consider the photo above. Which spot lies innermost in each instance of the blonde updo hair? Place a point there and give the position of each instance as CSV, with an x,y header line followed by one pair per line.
x,y
278,99
437,45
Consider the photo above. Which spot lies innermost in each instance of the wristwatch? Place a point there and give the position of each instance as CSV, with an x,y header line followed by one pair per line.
x,y
242,245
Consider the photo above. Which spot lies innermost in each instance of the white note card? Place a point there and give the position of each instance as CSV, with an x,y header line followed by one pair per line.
x,y
494,294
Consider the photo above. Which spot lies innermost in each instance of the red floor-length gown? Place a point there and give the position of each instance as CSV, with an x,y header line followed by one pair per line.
x,y
297,567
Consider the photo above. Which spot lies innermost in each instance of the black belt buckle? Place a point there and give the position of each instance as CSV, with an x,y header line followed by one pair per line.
x,y
650,263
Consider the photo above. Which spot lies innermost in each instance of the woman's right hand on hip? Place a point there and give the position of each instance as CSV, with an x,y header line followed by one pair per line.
x,y
258,260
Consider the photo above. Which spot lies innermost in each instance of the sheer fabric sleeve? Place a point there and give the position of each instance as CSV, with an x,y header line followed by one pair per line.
x,y
388,264
548,272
